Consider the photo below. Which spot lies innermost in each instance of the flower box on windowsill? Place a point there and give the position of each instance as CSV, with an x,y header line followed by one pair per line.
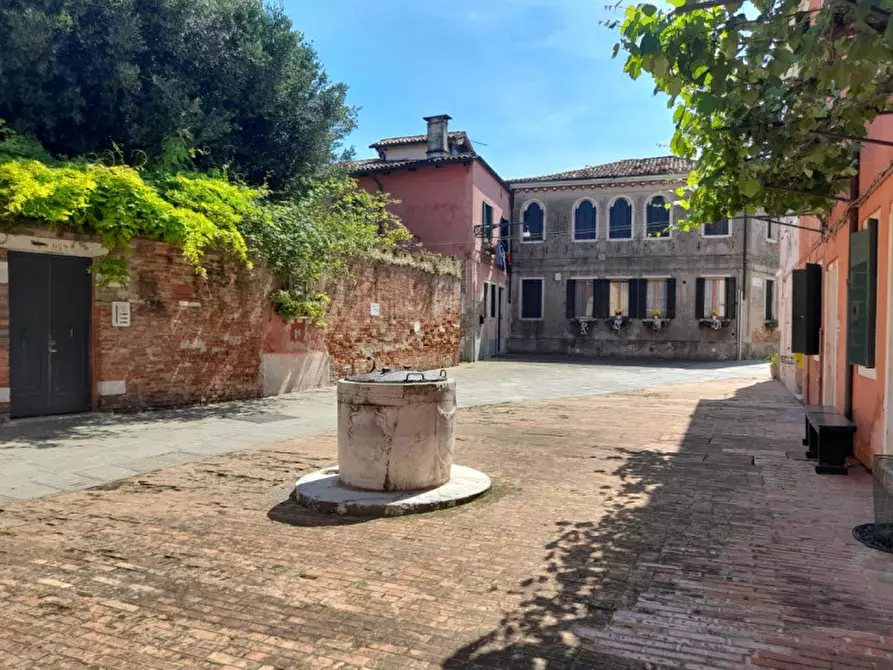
x,y
583,323
656,325
617,322
771,323
715,324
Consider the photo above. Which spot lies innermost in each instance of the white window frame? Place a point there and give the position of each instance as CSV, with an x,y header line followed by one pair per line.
x,y
666,280
871,373
671,203
545,218
627,279
725,279
583,279
766,281
521,281
632,219
574,219
771,240
494,224
717,237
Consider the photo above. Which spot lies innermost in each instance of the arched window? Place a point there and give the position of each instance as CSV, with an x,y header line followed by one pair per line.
x,y
534,223
620,223
657,218
584,221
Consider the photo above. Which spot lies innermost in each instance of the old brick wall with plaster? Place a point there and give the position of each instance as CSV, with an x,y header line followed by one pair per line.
x,y
172,338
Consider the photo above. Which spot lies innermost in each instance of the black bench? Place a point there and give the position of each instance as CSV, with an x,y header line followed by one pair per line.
x,y
829,438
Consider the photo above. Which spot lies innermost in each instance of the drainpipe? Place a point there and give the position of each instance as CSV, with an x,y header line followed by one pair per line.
x,y
854,227
742,301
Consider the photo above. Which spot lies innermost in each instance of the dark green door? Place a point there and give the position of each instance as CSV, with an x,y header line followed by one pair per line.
x,y
49,327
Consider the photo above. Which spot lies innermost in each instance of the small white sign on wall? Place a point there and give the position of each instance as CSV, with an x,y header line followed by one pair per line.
x,y
757,282
4,273
121,314
374,309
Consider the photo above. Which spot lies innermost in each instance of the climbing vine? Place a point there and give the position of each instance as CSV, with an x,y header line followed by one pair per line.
x,y
772,98
302,240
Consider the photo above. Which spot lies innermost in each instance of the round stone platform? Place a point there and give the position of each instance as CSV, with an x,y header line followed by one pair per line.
x,y
323,491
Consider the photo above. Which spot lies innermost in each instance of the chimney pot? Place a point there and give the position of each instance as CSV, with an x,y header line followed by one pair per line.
x,y
438,141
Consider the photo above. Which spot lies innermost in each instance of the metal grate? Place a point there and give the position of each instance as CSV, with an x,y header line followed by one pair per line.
x,y
879,535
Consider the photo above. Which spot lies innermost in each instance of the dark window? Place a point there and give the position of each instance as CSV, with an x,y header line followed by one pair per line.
x,y
492,300
862,296
718,228
770,300
584,221
503,229
531,298
487,221
806,309
533,223
770,231
657,218
620,224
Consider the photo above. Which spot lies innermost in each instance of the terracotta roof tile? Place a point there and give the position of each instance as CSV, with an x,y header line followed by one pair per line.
x,y
455,136
630,167
368,165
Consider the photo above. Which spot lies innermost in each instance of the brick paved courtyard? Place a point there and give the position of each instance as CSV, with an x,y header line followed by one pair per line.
x,y
656,528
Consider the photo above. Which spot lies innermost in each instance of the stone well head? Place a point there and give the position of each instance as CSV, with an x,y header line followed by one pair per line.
x,y
396,430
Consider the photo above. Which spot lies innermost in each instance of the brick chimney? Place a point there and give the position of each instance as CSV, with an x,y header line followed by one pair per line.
x,y
438,144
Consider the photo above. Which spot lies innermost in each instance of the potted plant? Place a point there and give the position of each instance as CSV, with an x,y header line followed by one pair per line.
x,y
773,364
618,321
771,323
716,322
656,323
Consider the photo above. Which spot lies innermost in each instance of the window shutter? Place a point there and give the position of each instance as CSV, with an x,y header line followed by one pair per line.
x,y
633,307
806,303
571,304
643,298
671,299
862,296
699,298
731,299
594,297
602,298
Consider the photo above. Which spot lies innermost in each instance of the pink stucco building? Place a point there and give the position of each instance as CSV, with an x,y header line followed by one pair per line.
x,y
446,189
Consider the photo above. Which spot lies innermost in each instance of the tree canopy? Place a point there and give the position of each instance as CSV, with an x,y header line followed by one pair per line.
x,y
204,83
302,240
771,98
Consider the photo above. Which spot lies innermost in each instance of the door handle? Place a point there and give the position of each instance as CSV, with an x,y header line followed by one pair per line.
x,y
52,347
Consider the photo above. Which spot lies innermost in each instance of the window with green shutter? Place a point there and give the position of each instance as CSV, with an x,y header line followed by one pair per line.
x,y
862,296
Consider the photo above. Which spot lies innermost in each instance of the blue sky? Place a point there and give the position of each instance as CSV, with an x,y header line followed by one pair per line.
x,y
531,81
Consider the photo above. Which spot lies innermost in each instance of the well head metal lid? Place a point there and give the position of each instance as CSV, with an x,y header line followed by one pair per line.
x,y
388,376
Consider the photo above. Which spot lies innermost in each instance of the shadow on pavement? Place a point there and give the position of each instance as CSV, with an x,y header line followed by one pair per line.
x,y
291,513
643,362
694,510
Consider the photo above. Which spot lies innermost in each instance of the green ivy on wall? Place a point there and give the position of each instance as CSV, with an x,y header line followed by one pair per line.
x,y
302,241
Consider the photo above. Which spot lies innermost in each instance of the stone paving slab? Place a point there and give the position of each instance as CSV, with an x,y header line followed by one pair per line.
x,y
35,451
612,538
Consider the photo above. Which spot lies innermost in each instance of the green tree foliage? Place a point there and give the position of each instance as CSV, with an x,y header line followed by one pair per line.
x,y
330,225
770,98
209,83
302,240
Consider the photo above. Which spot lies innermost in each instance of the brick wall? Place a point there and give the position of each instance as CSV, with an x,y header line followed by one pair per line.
x,y
196,340
418,326
191,339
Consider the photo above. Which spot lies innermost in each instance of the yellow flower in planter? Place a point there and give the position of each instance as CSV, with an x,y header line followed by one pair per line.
x,y
618,312
656,313
715,312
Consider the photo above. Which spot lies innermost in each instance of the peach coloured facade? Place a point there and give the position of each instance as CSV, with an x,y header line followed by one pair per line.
x,y
824,375
441,205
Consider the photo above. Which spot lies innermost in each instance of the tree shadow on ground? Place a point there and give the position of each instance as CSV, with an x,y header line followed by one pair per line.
x,y
592,569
